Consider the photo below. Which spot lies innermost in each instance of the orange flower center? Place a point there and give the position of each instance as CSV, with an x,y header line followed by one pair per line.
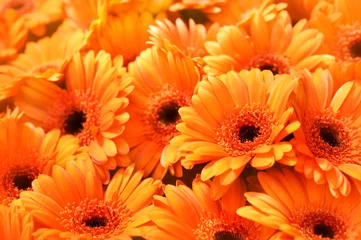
x,y
246,129
16,179
161,115
224,226
318,223
329,136
349,42
97,218
76,113
276,64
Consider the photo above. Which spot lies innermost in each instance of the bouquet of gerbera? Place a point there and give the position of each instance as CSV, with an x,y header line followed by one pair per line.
x,y
180,119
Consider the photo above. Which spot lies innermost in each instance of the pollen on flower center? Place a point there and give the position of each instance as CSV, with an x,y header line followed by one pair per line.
x,y
355,50
319,223
75,113
224,226
95,217
161,114
329,136
276,64
246,129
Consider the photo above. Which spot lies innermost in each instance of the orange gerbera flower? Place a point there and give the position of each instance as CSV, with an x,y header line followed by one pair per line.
x,y
329,145
125,34
164,82
229,129
193,215
276,46
231,12
13,35
302,208
343,72
36,13
190,40
153,6
40,57
15,222
83,17
91,107
72,203
301,8
26,151
342,35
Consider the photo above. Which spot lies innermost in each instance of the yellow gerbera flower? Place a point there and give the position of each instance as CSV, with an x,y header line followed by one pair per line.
x,y
91,107
193,215
342,35
275,46
329,145
164,82
13,35
188,39
229,129
302,208
36,13
15,222
72,203
26,151
125,34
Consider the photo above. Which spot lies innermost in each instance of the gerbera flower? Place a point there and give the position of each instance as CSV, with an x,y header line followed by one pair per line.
x,y
274,46
83,17
26,151
15,222
229,129
329,145
13,35
37,13
342,35
164,82
233,11
153,6
72,203
91,107
190,40
40,57
343,72
302,8
125,34
193,215
302,208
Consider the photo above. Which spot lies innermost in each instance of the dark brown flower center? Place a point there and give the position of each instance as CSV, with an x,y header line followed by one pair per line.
x,y
248,133
23,182
96,221
74,123
168,114
355,50
330,136
323,230
225,235
270,67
